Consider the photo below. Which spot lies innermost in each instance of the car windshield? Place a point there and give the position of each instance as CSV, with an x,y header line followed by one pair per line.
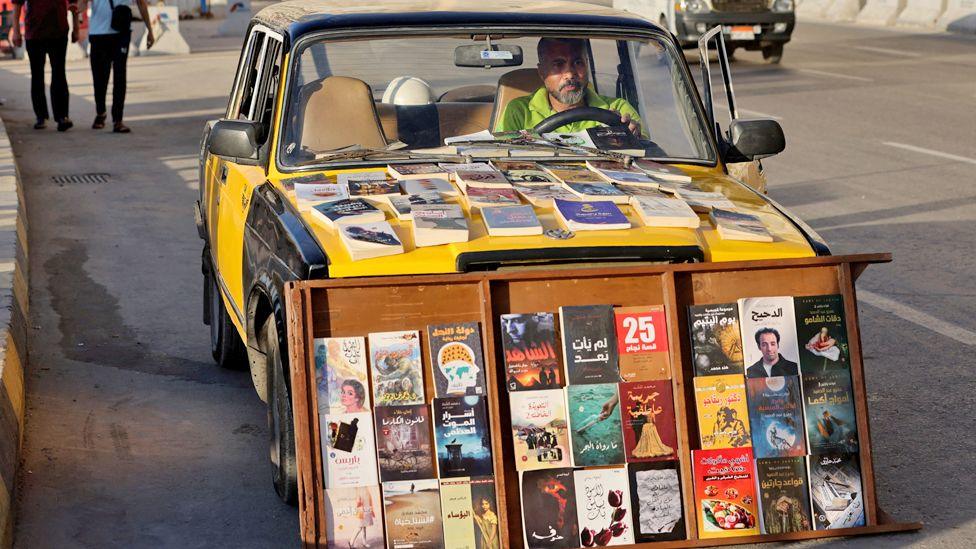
x,y
402,97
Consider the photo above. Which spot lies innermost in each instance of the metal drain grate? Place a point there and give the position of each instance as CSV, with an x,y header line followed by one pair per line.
x,y
89,178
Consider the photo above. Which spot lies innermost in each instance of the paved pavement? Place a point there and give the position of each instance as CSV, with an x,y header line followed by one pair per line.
x,y
134,437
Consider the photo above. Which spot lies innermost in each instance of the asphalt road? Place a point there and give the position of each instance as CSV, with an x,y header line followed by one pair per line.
x,y
134,438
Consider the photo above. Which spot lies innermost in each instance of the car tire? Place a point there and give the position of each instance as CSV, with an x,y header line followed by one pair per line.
x,y
226,346
773,54
281,422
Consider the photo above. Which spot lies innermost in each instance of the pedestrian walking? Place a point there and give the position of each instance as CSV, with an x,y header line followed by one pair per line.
x,y
46,34
109,32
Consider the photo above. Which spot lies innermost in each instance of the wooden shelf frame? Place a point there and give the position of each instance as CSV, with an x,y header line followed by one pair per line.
x,y
355,307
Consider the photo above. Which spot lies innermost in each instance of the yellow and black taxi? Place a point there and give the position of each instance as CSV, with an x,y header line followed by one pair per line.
x,y
327,88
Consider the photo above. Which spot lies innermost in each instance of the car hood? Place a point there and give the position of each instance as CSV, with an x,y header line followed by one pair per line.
x,y
639,243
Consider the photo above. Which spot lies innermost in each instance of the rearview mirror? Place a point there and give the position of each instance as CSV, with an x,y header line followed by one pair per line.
x,y
496,55
755,139
235,141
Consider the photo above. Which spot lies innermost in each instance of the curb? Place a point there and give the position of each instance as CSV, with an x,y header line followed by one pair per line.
x,y
14,303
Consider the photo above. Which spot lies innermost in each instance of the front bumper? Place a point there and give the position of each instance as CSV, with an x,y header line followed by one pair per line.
x,y
687,27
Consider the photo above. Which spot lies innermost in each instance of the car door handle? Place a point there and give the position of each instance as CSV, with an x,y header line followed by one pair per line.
x,y
222,178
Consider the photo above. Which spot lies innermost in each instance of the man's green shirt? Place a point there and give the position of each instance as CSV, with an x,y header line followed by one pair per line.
x,y
524,113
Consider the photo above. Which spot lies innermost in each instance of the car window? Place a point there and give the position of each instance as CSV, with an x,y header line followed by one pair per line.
x,y
241,102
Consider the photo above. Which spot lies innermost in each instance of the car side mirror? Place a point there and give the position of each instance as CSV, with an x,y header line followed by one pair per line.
x,y
755,139
235,141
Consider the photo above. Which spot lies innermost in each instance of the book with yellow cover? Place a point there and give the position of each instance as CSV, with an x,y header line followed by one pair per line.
x,y
723,417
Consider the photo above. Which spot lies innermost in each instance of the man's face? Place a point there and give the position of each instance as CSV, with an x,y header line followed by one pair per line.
x,y
564,72
769,347
515,328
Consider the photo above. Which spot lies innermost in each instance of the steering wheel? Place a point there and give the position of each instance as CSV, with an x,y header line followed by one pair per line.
x,y
578,114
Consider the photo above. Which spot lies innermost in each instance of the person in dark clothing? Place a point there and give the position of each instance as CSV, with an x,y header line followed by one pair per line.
x,y
46,34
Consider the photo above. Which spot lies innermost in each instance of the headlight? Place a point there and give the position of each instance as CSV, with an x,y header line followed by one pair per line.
x,y
693,6
782,6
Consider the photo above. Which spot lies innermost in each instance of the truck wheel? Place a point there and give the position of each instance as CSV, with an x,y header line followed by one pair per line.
x,y
281,422
773,54
225,344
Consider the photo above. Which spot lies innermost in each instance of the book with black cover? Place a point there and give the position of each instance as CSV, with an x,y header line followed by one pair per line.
x,y
822,332
655,494
462,437
456,359
607,138
776,416
551,520
589,343
403,442
530,348
828,406
836,494
716,345
347,210
784,495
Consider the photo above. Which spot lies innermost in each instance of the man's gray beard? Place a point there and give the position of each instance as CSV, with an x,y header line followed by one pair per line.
x,y
570,97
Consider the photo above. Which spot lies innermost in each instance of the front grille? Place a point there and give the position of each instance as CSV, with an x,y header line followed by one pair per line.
x,y
740,6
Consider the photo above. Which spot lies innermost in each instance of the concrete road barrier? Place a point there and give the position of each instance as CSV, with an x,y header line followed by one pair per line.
x,y
814,9
922,13
881,12
960,16
844,10
165,21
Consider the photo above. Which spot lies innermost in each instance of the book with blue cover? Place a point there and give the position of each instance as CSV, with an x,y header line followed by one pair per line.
x,y
590,215
829,411
776,416
461,437
511,221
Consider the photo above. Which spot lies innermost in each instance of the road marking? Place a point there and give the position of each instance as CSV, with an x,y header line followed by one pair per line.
x,y
915,316
760,114
940,154
183,114
835,75
889,51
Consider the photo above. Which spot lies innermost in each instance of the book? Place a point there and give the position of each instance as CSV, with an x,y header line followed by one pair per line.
x,y
776,416
469,511
603,507
821,332
312,178
481,197
647,408
836,494
569,139
451,168
352,210
354,517
412,514
655,495
485,179
635,190
530,350
423,185
725,492
340,374
348,450
360,176
403,205
590,215
828,407
723,417
615,139
539,429
704,201
308,195
376,192
661,171
739,226
523,172
598,191
483,150
369,240
403,445
589,344
769,346
551,522
642,343
395,364
618,172
565,173
456,359
416,171
436,224
541,196
784,495
664,212
595,435
511,221
461,436
716,345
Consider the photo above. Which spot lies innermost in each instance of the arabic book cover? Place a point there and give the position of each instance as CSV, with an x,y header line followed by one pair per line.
x,y
594,424
642,343
355,517
603,506
530,348
456,359
655,493
403,442
784,495
822,332
723,416
769,346
469,512
549,518
836,494
828,406
647,408
716,345
394,359
539,429
462,437
725,492
776,416
412,514
340,374
589,344
348,449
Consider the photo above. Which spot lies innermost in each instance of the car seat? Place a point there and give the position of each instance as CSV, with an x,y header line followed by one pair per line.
x,y
339,111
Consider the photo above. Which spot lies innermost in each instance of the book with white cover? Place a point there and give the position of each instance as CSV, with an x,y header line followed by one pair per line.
x,y
479,197
569,172
542,196
428,185
603,495
615,172
492,179
664,212
367,240
598,191
308,195
345,178
452,168
484,150
416,171
633,190
348,210
662,171
511,221
348,449
436,224
403,204
704,201
769,340
739,226
570,139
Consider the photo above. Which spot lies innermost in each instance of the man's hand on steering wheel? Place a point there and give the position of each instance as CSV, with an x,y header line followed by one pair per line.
x,y
632,125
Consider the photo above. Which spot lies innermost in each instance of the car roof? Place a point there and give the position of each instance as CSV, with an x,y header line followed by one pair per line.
x,y
298,17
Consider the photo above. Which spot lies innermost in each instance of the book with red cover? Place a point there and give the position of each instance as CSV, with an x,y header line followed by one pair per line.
x,y
725,492
642,343
647,410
